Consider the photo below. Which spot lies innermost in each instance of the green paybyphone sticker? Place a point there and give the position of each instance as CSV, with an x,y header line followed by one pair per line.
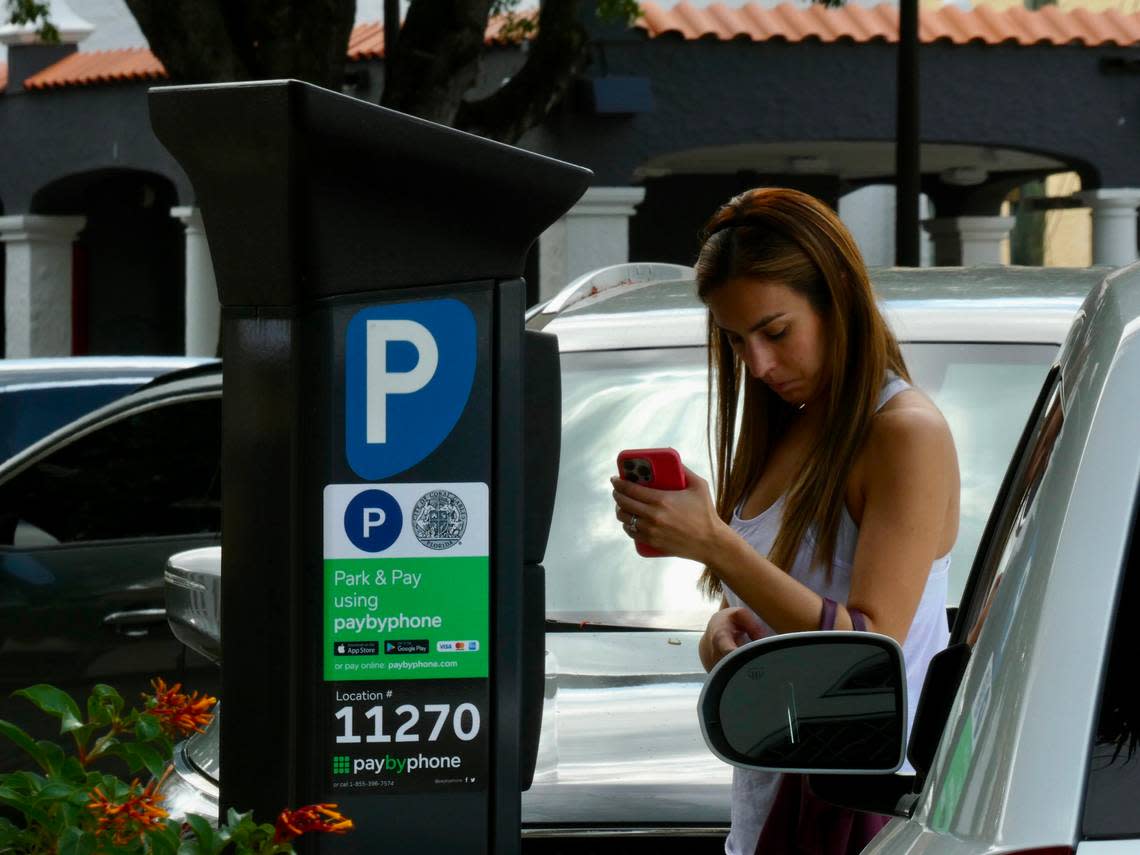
x,y
406,581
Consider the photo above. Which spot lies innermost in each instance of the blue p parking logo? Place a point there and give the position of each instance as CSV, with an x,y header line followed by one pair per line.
x,y
373,521
409,368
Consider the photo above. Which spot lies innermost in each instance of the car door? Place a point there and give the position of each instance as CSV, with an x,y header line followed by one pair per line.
x,y
85,531
1010,535
1110,824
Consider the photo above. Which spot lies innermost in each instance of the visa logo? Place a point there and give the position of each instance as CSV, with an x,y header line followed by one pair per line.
x,y
457,646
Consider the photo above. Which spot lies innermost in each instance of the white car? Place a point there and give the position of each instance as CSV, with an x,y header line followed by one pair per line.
x,y
621,752
1028,727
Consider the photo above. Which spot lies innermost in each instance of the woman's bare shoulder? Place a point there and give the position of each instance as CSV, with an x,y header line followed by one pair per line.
x,y
908,425
909,443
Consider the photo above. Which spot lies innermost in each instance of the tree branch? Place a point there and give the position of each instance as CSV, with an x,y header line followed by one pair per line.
x,y
209,41
436,58
206,57
557,54
303,39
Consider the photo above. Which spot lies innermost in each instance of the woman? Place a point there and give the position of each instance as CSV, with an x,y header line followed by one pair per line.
x,y
838,503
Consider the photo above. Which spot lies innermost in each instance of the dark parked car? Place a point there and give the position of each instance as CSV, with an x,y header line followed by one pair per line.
x,y
38,396
88,517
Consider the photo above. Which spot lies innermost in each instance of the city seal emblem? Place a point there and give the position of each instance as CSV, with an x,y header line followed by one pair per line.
x,y
439,519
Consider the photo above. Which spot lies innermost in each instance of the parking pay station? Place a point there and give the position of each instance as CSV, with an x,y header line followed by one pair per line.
x,y
389,459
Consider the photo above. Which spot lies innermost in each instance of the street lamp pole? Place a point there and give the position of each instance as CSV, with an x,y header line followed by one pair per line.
x,y
391,27
907,167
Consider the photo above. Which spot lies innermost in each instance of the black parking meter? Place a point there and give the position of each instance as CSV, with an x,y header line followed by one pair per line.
x,y
379,630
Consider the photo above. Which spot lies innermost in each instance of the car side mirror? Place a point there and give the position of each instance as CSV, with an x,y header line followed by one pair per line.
x,y
809,702
193,584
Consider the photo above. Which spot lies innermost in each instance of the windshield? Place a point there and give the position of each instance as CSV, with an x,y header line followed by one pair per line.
x,y
647,398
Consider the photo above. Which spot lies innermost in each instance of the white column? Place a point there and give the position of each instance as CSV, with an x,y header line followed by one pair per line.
x,y
968,240
869,214
1113,224
592,234
37,284
203,310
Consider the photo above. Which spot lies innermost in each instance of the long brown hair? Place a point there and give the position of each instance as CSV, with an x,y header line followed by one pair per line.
x,y
781,236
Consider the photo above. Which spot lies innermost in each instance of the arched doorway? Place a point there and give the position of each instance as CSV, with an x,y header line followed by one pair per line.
x,y
128,270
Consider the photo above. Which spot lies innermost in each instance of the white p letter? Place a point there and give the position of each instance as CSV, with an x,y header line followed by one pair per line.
x,y
380,383
373,518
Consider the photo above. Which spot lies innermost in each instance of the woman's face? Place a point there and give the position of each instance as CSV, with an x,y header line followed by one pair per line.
x,y
776,332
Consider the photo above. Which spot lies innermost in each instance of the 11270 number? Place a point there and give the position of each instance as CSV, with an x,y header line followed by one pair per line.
x,y
464,720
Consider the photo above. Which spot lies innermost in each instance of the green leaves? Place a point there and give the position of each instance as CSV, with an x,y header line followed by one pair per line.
x,y
75,841
54,702
148,728
140,756
209,841
619,11
31,12
25,742
68,806
104,706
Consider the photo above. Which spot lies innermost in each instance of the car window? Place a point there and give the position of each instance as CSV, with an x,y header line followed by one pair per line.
x,y
986,392
1008,525
657,397
152,473
1114,759
33,411
613,400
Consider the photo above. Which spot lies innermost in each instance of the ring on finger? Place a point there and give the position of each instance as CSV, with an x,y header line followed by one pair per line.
x,y
633,524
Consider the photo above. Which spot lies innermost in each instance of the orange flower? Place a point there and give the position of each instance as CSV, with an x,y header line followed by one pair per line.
x,y
180,714
322,817
126,821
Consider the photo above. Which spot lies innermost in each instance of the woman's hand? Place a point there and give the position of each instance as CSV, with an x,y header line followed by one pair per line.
x,y
683,523
727,630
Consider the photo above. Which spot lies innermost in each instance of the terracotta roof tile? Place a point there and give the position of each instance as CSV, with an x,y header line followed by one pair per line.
x,y
1068,23
991,26
137,64
367,40
101,66
495,35
1049,25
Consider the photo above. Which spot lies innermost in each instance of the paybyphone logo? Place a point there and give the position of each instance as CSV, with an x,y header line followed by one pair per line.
x,y
409,368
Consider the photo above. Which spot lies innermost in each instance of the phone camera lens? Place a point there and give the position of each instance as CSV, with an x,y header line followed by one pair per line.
x,y
644,471
628,465
632,477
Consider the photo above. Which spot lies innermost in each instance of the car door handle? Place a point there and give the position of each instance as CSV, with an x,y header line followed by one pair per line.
x,y
135,623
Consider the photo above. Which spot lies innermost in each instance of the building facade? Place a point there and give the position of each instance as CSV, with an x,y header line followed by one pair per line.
x,y
105,251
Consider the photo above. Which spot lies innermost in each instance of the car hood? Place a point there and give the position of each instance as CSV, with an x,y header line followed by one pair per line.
x,y
620,740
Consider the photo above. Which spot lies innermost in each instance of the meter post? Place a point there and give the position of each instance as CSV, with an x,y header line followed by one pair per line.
x,y
381,581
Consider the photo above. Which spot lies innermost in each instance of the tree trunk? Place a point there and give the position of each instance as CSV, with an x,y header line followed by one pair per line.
x,y
436,58
556,56
208,41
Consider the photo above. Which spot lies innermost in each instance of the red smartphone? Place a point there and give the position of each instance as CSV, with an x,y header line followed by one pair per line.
x,y
659,468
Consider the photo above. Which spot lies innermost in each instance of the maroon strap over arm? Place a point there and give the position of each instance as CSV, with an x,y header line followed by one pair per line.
x,y
827,616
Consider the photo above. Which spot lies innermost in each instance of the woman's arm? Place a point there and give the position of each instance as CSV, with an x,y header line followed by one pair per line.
x,y
684,523
910,475
728,629
910,495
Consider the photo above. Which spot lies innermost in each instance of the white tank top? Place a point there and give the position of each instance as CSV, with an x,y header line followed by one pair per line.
x,y
753,791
